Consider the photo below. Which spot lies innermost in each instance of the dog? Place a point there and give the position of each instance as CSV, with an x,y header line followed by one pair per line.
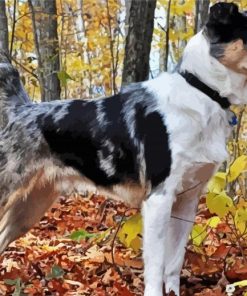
x,y
155,144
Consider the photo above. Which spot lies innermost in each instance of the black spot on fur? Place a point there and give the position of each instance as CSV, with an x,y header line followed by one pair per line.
x,y
71,138
117,132
153,133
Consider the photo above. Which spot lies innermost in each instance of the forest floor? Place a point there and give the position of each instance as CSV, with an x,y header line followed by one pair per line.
x,y
50,261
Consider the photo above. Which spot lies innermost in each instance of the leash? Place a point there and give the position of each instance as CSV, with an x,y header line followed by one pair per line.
x,y
181,193
213,94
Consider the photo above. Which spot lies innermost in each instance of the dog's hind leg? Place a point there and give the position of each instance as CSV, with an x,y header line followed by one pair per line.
x,y
156,213
25,211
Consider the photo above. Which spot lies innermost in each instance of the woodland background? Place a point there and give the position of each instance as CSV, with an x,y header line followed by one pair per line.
x,y
86,245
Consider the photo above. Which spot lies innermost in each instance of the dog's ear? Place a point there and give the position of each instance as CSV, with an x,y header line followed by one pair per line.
x,y
223,13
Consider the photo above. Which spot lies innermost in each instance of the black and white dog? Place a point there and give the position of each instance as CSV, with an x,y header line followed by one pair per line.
x,y
155,144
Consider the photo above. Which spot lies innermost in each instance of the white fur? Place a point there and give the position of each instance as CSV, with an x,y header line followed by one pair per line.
x,y
198,128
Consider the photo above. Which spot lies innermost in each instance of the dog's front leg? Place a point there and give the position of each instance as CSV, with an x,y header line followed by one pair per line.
x,y
183,215
178,233
156,213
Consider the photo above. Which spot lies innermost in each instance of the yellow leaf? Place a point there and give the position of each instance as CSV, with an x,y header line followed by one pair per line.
x,y
240,220
213,222
173,36
76,64
50,248
20,34
217,183
130,230
240,284
136,244
198,234
219,204
188,6
182,9
238,166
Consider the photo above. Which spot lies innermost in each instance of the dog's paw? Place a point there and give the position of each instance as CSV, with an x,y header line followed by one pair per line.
x,y
172,284
153,291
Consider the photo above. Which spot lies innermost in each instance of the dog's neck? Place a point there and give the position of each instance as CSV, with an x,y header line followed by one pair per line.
x,y
198,61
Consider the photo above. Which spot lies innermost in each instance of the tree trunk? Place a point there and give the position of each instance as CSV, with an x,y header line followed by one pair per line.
x,y
47,47
138,41
201,16
127,15
79,23
4,40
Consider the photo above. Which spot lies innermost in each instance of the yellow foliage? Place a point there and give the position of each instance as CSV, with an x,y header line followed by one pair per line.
x,y
240,284
240,220
173,35
198,234
213,222
238,166
219,204
130,232
217,183
180,9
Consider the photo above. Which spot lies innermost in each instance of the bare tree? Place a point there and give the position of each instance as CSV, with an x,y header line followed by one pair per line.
x,y
201,14
138,41
4,40
127,14
47,47
79,23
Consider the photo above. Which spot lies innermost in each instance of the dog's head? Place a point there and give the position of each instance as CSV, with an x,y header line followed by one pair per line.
x,y
226,30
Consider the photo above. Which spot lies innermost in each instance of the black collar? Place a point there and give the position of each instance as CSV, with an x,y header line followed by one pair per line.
x,y
213,94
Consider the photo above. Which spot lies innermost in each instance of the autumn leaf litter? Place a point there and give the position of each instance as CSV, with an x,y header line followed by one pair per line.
x,y
74,250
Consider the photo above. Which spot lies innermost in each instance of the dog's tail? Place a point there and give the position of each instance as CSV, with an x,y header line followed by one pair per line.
x,y
11,89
